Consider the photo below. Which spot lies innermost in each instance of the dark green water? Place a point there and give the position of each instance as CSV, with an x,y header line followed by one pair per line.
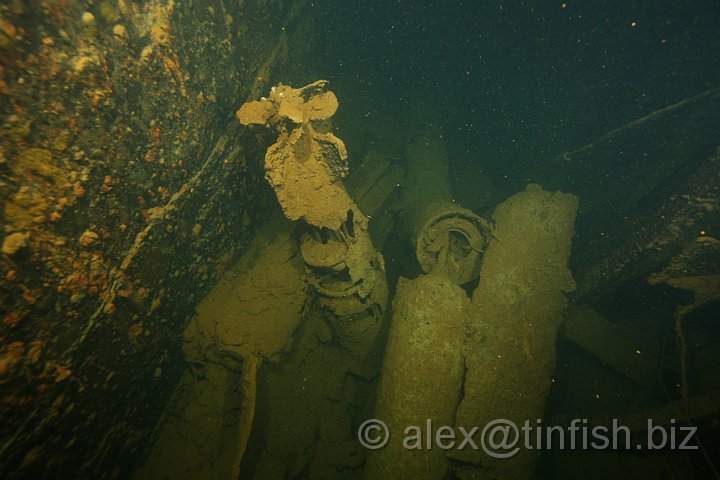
x,y
514,85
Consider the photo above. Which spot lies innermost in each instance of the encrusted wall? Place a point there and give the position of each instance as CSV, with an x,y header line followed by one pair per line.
x,y
127,189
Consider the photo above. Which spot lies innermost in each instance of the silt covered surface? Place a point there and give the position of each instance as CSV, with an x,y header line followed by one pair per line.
x,y
125,196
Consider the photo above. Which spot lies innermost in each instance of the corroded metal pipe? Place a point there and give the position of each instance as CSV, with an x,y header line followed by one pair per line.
x,y
422,375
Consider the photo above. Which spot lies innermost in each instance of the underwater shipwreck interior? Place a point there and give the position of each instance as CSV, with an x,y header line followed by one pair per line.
x,y
306,239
